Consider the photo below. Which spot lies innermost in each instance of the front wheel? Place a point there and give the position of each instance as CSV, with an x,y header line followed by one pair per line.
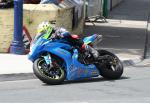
x,y
54,75
110,67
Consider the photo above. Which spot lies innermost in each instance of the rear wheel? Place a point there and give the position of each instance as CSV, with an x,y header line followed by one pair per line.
x,y
110,67
49,75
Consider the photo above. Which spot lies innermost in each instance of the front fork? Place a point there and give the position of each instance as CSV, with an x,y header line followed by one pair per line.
x,y
48,60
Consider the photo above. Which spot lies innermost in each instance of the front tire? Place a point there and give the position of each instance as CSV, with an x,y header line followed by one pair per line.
x,y
43,74
110,69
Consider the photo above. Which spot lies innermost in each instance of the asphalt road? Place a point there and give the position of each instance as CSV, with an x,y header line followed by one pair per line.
x,y
133,87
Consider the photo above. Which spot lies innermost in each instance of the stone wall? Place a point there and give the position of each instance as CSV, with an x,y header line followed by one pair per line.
x,y
33,15
6,28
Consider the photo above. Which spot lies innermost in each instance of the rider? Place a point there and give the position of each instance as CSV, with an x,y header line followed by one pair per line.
x,y
52,32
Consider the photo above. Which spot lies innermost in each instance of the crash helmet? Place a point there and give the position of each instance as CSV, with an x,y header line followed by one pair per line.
x,y
45,27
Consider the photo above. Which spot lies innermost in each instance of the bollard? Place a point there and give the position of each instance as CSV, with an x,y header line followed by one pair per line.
x,y
105,9
17,46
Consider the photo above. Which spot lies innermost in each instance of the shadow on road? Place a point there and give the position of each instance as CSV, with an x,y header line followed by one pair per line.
x,y
88,80
92,80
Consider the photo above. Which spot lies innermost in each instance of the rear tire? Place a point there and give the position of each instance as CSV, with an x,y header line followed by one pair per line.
x,y
109,70
44,77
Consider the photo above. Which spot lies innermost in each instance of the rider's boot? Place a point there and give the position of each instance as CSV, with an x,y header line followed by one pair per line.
x,y
93,51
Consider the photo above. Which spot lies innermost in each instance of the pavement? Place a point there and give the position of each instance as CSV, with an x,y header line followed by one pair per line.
x,y
124,34
11,63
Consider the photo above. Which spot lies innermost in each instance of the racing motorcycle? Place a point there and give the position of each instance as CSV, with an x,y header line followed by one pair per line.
x,y
55,61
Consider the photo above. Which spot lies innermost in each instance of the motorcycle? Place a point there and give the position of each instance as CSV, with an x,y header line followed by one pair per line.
x,y
55,61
